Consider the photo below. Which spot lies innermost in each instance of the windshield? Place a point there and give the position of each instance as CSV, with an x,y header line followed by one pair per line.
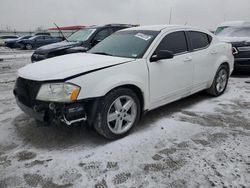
x,y
81,35
220,29
235,32
131,44
31,38
23,37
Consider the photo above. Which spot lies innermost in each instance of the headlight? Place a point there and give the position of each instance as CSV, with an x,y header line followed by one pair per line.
x,y
58,92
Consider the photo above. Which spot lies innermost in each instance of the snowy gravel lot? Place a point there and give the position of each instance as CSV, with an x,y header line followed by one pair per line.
x,y
198,141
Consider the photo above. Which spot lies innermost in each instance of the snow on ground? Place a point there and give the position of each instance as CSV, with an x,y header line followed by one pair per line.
x,y
199,141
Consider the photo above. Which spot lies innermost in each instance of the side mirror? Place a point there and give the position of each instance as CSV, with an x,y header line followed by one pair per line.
x,y
96,41
161,54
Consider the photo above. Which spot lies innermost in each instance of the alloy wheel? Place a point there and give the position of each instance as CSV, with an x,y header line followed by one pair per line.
x,y
121,114
221,80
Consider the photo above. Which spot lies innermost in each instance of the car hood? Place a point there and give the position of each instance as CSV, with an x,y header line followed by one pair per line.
x,y
66,66
57,46
234,39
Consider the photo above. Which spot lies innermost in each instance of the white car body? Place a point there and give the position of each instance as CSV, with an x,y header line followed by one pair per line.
x,y
149,77
160,82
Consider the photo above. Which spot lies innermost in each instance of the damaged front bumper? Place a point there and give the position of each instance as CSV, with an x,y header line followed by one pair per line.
x,y
48,112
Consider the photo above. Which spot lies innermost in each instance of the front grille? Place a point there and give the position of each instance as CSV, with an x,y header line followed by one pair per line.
x,y
26,91
244,49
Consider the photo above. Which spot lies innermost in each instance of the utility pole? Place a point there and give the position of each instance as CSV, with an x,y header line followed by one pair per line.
x,y
170,16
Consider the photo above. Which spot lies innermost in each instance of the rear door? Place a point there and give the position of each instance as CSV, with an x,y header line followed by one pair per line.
x,y
171,79
203,56
48,39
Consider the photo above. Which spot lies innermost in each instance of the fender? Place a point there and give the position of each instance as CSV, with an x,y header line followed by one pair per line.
x,y
100,82
219,62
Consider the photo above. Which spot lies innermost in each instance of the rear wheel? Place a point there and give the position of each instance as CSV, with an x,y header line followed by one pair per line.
x,y
220,81
118,113
28,46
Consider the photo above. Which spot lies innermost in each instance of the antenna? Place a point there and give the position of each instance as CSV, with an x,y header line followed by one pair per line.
x,y
61,32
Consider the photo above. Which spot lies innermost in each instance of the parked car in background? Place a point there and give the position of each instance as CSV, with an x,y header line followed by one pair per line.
x,y
41,33
14,42
239,37
3,39
130,72
38,41
80,41
225,25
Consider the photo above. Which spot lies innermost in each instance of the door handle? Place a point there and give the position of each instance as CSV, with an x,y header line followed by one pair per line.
x,y
187,59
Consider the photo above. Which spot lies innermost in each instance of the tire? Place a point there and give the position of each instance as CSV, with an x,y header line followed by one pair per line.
x,y
220,81
123,108
28,46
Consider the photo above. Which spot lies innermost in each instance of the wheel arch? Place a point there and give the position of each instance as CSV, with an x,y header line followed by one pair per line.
x,y
137,91
226,63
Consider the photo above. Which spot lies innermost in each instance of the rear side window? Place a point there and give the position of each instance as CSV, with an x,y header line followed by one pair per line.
x,y
39,38
47,37
175,42
199,40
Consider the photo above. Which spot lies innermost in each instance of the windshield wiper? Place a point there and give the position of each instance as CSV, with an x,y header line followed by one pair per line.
x,y
102,53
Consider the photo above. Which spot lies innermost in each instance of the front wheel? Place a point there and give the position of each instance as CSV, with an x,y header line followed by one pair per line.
x,y
118,113
220,81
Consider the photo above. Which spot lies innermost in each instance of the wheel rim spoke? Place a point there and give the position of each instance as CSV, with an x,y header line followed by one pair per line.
x,y
118,105
128,105
118,125
128,118
112,117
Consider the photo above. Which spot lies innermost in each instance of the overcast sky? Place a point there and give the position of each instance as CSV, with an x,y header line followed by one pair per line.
x,y
30,14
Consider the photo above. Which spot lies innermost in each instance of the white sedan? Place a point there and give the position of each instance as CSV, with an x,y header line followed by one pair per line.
x,y
130,72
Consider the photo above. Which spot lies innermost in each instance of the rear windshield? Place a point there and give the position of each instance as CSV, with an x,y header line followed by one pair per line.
x,y
220,29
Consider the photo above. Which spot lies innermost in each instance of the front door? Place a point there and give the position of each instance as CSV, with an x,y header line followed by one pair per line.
x,y
171,79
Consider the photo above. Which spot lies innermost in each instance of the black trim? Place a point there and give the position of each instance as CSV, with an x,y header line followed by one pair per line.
x,y
94,70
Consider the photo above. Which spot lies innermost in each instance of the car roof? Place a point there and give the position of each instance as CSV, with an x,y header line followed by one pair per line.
x,y
9,36
108,25
234,23
166,28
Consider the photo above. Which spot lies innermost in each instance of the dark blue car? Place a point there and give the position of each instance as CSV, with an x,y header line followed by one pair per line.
x,y
13,43
38,41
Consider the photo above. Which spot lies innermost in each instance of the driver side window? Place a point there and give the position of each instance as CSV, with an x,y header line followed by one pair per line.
x,y
103,34
174,42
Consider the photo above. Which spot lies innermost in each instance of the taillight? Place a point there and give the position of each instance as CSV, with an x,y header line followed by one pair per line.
x,y
234,50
